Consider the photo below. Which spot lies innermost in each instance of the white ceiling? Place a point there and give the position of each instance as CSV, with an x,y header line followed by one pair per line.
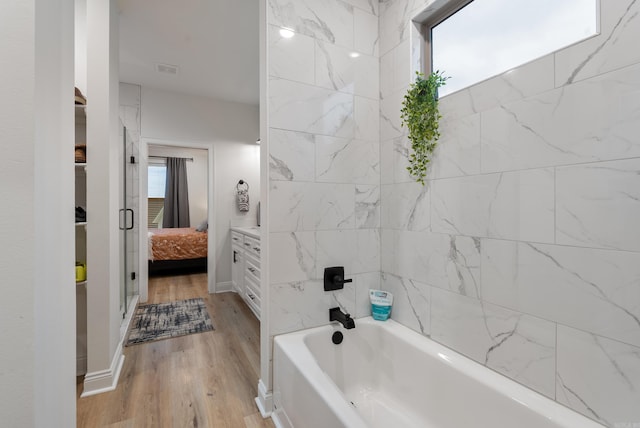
x,y
213,42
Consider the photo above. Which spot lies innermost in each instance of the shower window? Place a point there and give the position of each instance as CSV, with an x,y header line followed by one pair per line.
x,y
473,41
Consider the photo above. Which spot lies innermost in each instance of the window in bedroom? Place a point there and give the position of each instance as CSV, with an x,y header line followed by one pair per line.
x,y
475,40
157,176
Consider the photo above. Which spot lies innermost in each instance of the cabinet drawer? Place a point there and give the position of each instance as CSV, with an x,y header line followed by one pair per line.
x,y
252,268
252,245
252,286
253,302
236,238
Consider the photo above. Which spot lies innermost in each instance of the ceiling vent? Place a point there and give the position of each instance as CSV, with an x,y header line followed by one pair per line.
x,y
167,69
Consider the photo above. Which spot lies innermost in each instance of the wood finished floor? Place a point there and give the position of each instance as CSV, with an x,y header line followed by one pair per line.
x,y
200,380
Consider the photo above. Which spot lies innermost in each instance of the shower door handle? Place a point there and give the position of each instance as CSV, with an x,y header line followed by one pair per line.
x,y
130,211
123,219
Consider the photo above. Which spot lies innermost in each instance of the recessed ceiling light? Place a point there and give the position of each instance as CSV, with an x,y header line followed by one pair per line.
x,y
286,33
354,54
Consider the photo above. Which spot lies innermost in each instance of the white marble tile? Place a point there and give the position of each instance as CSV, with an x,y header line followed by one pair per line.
x,y
515,205
598,205
401,150
297,206
328,20
335,206
335,248
291,155
292,256
593,290
298,107
411,255
339,69
458,149
402,73
367,209
598,377
367,255
453,263
411,302
386,162
357,250
387,73
367,118
388,258
457,105
369,6
292,206
521,82
339,160
365,38
596,119
364,282
519,346
390,122
394,23
291,58
405,206
305,304
615,46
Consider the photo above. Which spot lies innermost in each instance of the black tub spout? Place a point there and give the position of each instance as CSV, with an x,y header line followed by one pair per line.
x,y
335,314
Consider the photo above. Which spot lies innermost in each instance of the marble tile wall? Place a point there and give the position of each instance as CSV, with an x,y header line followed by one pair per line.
x,y
523,249
324,158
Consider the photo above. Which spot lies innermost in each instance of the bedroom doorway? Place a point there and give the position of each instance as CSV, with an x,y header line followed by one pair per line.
x,y
176,242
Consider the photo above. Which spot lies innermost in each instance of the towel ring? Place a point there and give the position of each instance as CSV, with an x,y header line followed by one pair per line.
x,y
242,186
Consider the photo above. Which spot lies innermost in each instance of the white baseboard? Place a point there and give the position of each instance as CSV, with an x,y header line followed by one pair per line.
x,y
280,420
104,380
264,400
223,287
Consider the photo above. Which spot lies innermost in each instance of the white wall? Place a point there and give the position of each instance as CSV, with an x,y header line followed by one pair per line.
x,y
103,236
232,130
196,178
37,309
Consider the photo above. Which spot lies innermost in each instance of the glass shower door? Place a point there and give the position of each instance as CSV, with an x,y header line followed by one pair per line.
x,y
129,229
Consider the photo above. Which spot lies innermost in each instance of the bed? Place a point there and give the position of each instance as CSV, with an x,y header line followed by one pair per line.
x,y
177,249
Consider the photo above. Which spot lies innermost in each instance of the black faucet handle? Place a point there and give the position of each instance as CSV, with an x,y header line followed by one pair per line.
x,y
334,278
340,280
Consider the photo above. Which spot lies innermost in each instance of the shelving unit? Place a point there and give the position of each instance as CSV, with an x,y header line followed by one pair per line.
x,y
81,243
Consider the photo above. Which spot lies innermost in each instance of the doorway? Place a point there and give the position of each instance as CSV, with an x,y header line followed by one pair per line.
x,y
200,183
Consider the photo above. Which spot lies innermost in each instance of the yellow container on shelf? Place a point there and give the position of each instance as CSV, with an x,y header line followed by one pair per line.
x,y
81,272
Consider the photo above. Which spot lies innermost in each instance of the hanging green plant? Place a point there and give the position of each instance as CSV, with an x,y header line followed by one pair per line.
x,y
420,114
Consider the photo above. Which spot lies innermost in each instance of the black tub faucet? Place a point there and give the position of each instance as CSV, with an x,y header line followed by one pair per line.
x,y
335,314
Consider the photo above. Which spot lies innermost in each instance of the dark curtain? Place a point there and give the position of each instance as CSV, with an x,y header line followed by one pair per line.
x,y
176,197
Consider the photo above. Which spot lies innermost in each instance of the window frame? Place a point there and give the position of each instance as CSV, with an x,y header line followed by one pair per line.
x,y
449,9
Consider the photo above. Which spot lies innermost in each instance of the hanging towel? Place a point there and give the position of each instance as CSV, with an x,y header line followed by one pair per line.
x,y
242,196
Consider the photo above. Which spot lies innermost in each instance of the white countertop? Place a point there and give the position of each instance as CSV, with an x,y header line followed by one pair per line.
x,y
252,231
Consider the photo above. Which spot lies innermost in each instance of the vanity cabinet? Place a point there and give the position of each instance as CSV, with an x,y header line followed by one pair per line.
x,y
245,269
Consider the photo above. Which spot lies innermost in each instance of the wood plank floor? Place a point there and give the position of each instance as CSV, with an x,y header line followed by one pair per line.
x,y
200,380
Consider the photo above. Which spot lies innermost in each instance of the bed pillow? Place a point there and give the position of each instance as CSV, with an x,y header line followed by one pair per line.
x,y
203,226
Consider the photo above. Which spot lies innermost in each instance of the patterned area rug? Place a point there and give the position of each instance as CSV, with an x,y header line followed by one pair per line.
x,y
166,320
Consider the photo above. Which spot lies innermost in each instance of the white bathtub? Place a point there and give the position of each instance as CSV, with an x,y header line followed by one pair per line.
x,y
386,375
